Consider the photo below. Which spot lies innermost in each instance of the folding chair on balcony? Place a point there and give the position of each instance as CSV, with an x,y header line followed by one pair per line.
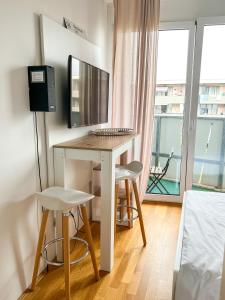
x,y
156,175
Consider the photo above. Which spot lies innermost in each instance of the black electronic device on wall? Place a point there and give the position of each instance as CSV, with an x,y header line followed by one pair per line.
x,y
41,88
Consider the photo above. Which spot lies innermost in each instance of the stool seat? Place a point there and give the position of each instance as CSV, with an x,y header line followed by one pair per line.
x,y
130,171
59,198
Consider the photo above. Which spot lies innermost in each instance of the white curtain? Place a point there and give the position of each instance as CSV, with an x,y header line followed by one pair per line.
x,y
135,57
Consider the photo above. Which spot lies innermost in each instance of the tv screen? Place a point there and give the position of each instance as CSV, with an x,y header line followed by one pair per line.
x,y
88,94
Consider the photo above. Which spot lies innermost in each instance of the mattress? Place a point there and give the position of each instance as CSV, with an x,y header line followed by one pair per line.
x,y
199,277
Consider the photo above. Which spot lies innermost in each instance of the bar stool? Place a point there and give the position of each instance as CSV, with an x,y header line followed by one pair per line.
x,y
63,200
128,173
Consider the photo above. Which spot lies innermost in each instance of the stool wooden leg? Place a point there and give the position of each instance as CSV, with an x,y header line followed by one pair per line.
x,y
139,211
127,187
66,244
39,248
90,241
62,243
117,188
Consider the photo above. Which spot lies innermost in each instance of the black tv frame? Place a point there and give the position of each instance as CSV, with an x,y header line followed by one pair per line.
x,y
70,125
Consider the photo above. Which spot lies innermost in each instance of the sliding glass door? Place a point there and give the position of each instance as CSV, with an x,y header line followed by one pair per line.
x,y
189,127
172,105
207,147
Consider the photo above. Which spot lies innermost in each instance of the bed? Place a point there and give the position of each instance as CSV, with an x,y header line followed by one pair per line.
x,y
198,272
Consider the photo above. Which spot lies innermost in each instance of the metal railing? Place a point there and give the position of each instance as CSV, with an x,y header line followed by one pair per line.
x,y
209,148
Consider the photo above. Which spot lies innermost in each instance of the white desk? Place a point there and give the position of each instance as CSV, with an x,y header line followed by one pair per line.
x,y
104,150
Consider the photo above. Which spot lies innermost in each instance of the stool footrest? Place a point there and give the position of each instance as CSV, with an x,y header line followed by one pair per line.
x,y
128,219
61,263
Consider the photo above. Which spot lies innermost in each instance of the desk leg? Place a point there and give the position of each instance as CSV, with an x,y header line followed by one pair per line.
x,y
136,148
59,167
107,210
124,158
59,180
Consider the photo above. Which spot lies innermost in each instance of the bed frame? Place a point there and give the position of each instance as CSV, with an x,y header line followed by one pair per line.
x,y
178,260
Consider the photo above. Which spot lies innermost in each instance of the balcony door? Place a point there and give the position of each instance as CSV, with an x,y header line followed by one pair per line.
x,y
189,132
172,108
206,153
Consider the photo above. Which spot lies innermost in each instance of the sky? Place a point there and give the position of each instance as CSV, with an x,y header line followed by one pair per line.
x,y
173,50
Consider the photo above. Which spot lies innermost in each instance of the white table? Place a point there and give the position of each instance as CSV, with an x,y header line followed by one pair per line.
x,y
105,150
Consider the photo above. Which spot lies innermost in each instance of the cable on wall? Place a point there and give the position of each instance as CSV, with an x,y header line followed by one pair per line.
x,y
39,169
37,149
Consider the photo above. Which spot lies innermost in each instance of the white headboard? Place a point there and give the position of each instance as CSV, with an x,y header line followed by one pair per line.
x,y
57,44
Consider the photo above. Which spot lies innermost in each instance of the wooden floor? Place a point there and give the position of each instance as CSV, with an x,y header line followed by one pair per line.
x,y
139,273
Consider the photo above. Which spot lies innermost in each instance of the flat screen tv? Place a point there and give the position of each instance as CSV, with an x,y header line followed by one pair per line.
x,y
88,94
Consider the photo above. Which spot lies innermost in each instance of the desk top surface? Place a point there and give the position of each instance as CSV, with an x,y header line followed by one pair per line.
x,y
92,142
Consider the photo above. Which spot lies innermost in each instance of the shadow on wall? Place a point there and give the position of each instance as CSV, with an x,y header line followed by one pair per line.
x,y
19,92
61,80
18,77
21,234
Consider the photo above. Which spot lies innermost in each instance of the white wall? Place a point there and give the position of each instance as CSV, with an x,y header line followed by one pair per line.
x,y
20,46
56,55
78,173
182,10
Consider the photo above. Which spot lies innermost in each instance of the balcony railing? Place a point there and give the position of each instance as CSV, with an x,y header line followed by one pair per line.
x,y
209,160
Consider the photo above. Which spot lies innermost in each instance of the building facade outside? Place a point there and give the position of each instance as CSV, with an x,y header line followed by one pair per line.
x,y
170,98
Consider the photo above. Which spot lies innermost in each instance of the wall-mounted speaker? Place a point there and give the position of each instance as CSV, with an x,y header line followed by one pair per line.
x,y
41,88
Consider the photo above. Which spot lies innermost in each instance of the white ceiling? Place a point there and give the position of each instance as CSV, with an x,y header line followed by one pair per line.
x,y
179,10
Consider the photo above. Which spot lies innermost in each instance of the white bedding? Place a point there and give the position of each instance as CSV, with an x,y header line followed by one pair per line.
x,y
200,272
